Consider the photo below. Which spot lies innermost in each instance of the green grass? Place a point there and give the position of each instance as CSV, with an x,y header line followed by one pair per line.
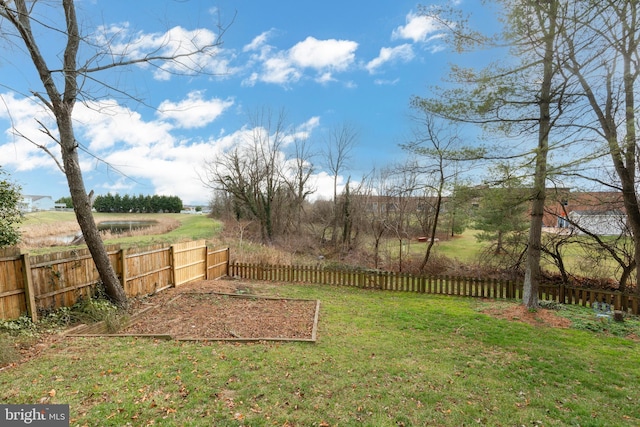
x,y
382,359
464,247
46,217
192,227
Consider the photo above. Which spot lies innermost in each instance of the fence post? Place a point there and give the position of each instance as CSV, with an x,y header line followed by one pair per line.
x,y
30,297
124,273
172,260
617,301
206,262
228,263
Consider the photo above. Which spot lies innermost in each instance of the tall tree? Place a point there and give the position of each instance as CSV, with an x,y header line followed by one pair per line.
x,y
522,96
63,85
257,174
339,145
602,53
540,33
297,173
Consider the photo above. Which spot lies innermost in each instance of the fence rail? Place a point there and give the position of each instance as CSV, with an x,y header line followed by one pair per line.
x,y
29,284
442,285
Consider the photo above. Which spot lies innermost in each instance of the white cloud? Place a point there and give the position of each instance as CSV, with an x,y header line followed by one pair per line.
x,y
142,156
304,130
258,42
279,70
383,82
22,116
103,126
418,28
322,183
194,51
194,111
402,53
325,57
171,170
325,78
322,54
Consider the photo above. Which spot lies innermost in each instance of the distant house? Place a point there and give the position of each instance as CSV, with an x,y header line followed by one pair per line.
x,y
600,213
601,223
36,203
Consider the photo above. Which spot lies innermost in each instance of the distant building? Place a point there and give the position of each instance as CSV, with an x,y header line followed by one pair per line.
x,y
191,210
601,223
600,213
36,203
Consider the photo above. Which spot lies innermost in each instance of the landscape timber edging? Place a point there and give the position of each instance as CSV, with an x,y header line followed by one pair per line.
x,y
100,329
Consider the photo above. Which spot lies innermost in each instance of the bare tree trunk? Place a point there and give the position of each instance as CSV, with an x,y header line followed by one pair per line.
x,y
69,148
434,228
532,270
62,91
82,209
61,105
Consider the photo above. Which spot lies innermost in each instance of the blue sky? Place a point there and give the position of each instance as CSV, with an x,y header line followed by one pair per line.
x,y
325,63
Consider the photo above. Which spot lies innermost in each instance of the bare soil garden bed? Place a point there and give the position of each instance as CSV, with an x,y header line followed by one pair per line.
x,y
217,310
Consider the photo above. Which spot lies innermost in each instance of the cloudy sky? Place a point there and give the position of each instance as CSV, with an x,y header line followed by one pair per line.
x,y
323,63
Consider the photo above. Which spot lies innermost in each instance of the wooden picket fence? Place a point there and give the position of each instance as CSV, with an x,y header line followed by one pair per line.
x,y
442,285
30,284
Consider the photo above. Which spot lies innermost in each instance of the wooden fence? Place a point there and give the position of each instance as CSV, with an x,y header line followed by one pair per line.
x,y
29,284
443,285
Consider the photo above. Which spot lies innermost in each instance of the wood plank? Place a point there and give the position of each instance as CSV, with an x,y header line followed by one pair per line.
x,y
29,293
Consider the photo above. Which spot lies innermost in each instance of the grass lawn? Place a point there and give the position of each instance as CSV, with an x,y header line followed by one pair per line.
x,y
382,359
463,247
192,227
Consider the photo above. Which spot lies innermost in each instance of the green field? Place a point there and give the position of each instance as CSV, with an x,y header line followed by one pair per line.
x,y
382,359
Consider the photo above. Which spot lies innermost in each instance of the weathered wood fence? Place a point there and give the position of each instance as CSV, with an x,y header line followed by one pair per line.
x,y
443,285
29,284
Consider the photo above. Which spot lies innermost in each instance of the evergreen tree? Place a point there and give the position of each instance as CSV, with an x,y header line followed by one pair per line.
x,y
502,215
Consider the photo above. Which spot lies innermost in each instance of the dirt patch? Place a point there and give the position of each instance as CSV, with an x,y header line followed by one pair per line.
x,y
520,313
219,310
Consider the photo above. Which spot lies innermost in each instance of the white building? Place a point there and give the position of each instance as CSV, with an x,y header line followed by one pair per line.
x,y
601,223
36,203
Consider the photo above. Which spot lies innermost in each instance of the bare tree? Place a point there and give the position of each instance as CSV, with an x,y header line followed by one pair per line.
x,y
63,87
439,147
339,148
375,213
256,172
404,191
603,55
298,170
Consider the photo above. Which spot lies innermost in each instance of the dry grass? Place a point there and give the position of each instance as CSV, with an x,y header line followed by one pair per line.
x,y
40,235
163,225
47,234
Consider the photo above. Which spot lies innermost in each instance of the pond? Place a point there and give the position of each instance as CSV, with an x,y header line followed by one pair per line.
x,y
114,227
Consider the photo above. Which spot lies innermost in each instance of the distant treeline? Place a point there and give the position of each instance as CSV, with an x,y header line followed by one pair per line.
x,y
137,204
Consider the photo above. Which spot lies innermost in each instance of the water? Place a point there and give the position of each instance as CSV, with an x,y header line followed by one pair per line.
x,y
114,227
